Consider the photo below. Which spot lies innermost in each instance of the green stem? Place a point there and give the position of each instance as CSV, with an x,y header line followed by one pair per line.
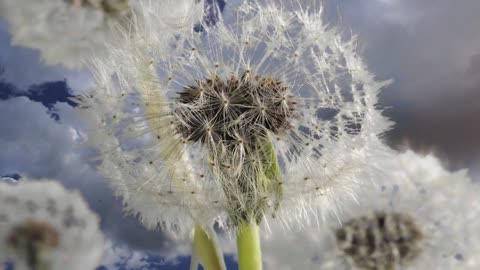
x,y
34,257
206,247
248,247
271,178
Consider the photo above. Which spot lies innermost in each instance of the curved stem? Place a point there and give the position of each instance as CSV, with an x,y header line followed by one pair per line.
x,y
206,247
248,247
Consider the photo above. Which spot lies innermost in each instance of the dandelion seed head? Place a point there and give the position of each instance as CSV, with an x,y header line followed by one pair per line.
x,y
38,235
239,110
254,104
107,6
411,221
65,32
40,220
73,32
380,240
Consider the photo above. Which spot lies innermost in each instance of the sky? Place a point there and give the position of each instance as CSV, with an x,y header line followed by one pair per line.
x,y
429,48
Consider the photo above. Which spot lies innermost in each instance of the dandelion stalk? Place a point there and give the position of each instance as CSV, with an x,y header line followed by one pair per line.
x,y
35,259
248,236
248,247
207,249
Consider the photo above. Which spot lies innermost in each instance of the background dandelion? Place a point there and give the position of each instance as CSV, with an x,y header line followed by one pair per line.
x,y
65,32
71,32
43,226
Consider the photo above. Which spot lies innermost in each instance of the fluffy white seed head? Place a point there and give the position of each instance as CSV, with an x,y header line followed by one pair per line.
x,y
42,223
430,221
65,32
230,117
71,32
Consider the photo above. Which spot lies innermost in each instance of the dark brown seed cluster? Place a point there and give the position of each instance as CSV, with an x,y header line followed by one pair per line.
x,y
382,241
33,238
234,110
108,6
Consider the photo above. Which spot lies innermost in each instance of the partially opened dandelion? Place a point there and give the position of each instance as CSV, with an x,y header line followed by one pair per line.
x,y
272,115
45,227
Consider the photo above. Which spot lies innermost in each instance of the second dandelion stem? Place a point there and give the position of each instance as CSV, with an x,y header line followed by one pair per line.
x,y
206,247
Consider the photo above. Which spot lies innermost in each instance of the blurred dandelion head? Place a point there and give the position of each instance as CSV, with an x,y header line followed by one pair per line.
x,y
66,32
380,240
422,217
33,235
267,113
107,6
43,224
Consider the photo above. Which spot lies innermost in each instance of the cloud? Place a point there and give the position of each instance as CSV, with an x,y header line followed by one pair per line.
x,y
431,49
433,38
22,66
121,256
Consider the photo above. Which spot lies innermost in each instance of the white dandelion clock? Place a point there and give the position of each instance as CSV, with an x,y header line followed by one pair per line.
x,y
233,115
43,226
428,222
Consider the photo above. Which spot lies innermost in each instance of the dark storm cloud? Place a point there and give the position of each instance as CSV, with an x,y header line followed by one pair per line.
x,y
431,49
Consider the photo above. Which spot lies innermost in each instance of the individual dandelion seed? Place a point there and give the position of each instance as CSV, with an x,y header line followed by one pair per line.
x,y
271,107
43,226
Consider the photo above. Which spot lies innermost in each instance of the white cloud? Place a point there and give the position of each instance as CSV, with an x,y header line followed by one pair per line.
x,y
24,68
114,254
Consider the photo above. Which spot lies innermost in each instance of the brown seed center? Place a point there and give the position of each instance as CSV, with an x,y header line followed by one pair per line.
x,y
380,241
33,239
233,110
